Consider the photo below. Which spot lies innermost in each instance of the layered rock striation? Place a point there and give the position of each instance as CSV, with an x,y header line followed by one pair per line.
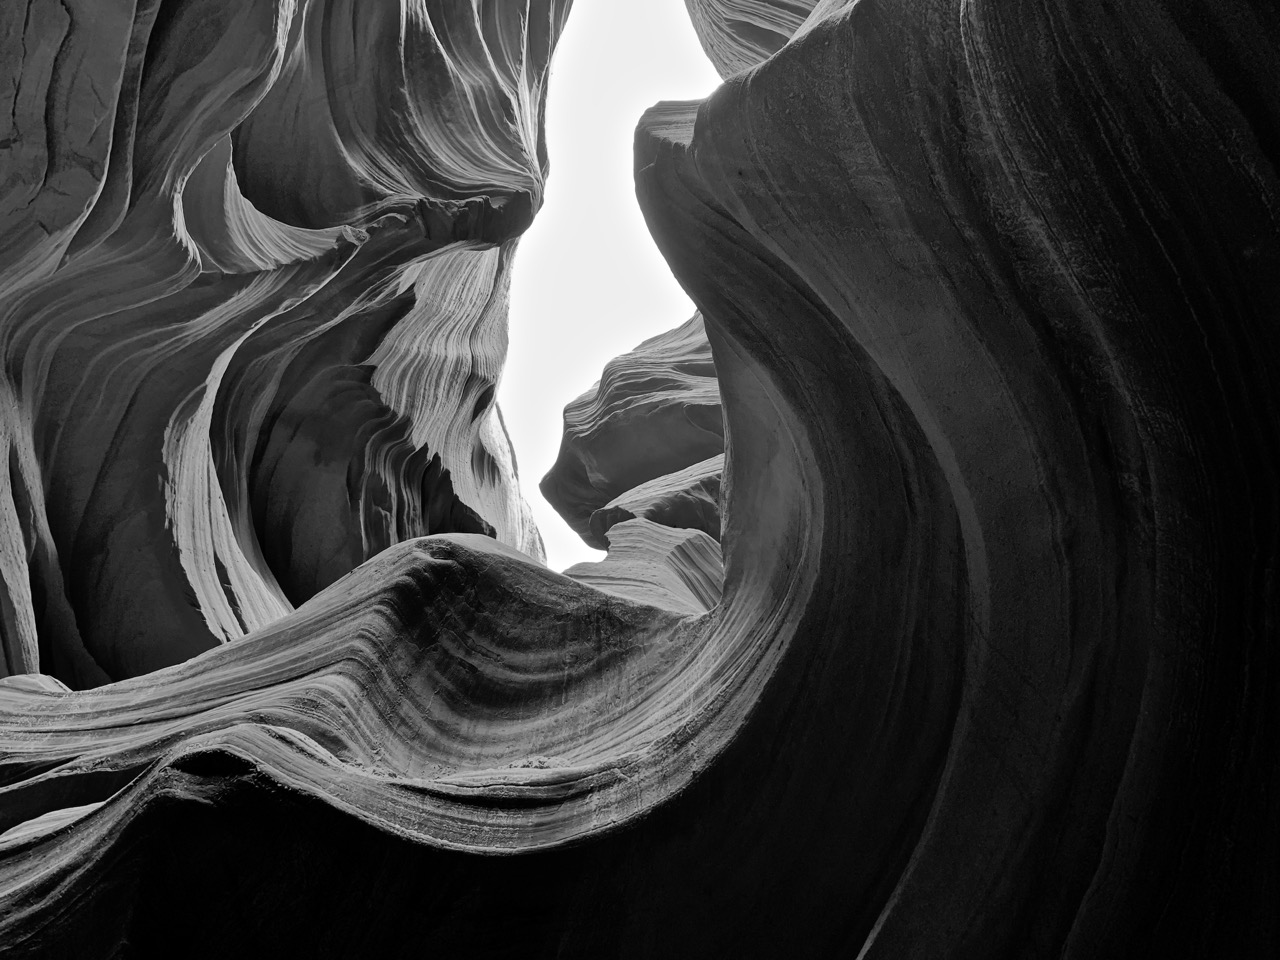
x,y
991,672
738,34
672,567
685,499
253,285
655,411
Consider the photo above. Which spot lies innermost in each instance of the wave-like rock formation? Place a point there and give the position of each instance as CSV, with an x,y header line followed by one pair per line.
x,y
688,498
739,34
991,293
655,411
1009,327
674,568
253,283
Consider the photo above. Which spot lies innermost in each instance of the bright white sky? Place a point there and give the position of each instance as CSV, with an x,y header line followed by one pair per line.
x,y
588,281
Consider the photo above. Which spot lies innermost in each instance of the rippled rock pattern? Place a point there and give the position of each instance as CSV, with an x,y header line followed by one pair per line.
x,y
688,498
738,34
655,411
990,290
653,563
254,296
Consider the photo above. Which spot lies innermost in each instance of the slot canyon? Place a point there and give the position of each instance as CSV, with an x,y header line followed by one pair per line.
x,y
940,616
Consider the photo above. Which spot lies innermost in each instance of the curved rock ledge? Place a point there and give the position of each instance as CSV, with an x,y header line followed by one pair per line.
x,y
686,499
677,569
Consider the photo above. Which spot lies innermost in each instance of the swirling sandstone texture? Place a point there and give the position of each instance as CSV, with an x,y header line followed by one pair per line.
x,y
655,409
252,308
738,34
991,293
671,567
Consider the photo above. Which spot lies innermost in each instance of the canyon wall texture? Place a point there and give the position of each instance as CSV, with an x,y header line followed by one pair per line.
x,y
254,308
975,656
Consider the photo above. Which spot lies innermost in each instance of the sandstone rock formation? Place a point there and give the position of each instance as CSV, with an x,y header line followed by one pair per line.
x,y
739,34
655,411
665,566
991,291
254,308
688,498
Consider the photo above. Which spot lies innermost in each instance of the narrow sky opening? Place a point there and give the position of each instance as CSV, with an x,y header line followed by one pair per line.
x,y
588,282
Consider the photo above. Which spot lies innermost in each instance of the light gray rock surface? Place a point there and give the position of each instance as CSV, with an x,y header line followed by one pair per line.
x,y
677,569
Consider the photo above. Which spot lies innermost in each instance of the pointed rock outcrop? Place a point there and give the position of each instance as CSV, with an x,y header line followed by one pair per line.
x,y
654,411
688,498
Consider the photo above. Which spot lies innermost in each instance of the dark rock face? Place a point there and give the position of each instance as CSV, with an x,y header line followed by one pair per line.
x,y
991,294
1026,260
